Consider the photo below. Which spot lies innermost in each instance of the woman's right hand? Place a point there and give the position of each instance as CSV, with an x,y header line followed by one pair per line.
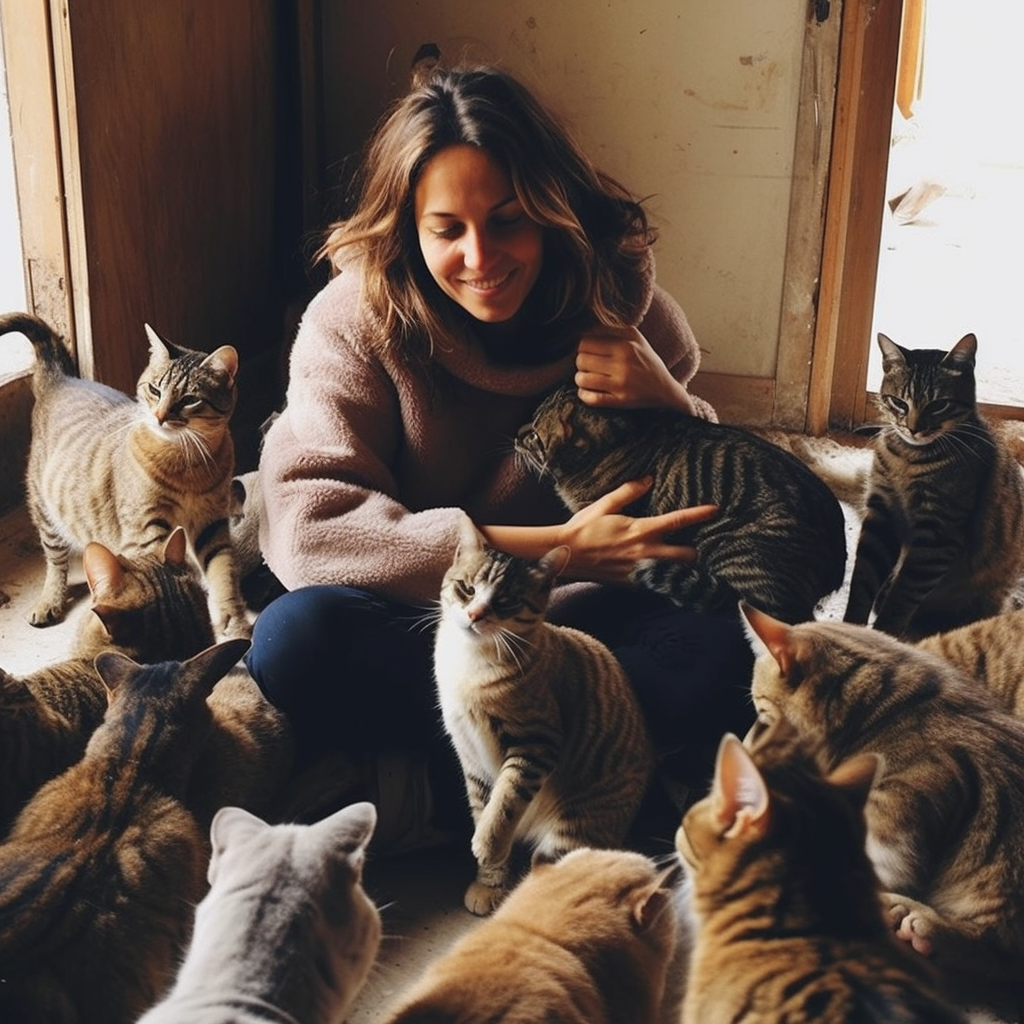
x,y
606,545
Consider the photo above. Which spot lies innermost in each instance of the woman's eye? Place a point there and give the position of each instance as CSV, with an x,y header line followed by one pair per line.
x,y
507,221
448,233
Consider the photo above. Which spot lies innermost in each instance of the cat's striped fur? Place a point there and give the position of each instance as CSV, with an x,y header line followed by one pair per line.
x,y
122,472
585,941
942,538
103,866
286,932
778,540
789,923
150,608
991,651
946,820
549,735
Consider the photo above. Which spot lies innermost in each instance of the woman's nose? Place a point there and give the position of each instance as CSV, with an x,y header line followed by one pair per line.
x,y
475,249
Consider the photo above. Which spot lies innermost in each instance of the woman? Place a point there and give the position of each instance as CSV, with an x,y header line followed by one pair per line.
x,y
486,261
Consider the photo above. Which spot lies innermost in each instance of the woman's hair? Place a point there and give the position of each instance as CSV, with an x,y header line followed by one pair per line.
x,y
596,234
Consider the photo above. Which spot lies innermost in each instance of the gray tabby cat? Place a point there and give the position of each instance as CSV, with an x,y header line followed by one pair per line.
x,y
149,608
124,473
549,735
790,926
946,821
942,541
103,865
286,932
779,539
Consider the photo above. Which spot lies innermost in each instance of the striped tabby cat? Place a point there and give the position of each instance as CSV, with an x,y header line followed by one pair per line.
x,y
942,541
946,821
286,932
149,608
550,738
990,651
585,941
124,473
790,928
779,539
102,867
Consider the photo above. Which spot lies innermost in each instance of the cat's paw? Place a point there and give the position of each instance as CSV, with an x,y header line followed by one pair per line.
x,y
483,899
912,922
46,614
234,627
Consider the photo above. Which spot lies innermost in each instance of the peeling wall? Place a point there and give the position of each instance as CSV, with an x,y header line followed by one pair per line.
x,y
690,102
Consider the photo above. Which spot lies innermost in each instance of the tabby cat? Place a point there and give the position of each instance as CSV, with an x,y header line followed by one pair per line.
x,y
991,651
946,821
585,941
550,738
149,608
779,539
103,865
790,927
942,541
286,932
105,468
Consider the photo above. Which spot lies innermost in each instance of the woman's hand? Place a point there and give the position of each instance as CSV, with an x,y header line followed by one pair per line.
x,y
618,367
606,545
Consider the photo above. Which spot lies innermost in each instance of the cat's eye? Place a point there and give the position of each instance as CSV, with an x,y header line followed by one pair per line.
x,y
154,391
191,402
939,408
463,590
896,404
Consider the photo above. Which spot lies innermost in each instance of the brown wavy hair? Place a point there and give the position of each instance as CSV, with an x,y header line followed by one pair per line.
x,y
596,234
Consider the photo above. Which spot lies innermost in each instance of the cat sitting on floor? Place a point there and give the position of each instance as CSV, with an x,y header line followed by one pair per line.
x,y
551,740
286,932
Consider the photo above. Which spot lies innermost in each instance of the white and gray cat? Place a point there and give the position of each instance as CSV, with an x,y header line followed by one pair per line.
x,y
286,932
552,743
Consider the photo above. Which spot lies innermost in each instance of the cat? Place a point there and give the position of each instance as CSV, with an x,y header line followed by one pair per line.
x,y
789,923
551,740
101,870
103,467
286,932
779,539
942,538
946,821
990,651
586,940
149,608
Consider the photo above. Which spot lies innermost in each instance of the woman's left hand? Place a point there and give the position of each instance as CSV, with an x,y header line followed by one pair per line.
x,y
618,367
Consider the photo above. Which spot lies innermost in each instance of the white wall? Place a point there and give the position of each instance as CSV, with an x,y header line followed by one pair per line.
x,y
690,102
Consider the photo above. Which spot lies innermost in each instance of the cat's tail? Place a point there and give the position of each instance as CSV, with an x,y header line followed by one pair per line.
x,y
52,355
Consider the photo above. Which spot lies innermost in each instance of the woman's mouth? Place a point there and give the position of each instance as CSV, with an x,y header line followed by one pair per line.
x,y
489,284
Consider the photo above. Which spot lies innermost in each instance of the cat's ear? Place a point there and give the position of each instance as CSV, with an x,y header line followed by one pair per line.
x,y
113,669
471,540
656,899
103,572
739,796
768,635
174,547
209,666
856,776
224,359
962,353
158,350
349,829
555,561
892,354
230,825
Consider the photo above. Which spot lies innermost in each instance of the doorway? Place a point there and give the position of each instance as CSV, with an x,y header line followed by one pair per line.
x,y
950,254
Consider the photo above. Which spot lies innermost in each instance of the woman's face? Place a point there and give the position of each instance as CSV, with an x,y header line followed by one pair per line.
x,y
478,243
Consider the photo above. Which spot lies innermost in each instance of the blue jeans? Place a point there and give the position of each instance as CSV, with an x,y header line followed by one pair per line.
x,y
355,671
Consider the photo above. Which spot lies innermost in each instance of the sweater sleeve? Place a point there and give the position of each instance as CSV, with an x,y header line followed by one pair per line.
x,y
665,326
331,514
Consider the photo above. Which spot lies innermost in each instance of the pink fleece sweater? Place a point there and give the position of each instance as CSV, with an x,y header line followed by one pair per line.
x,y
368,470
